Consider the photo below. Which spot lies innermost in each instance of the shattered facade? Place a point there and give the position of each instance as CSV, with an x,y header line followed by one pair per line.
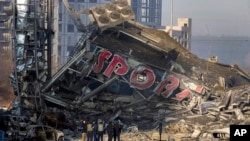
x,y
121,69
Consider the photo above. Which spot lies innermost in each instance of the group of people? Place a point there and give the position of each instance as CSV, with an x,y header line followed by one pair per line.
x,y
114,130
94,131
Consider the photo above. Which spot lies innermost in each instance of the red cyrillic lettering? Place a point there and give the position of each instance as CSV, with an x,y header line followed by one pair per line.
x,y
101,58
167,86
117,65
142,78
183,94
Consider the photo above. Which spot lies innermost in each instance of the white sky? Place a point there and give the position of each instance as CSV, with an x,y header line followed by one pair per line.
x,y
211,17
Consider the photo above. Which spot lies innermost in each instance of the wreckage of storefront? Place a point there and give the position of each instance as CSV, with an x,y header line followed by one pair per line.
x,y
121,69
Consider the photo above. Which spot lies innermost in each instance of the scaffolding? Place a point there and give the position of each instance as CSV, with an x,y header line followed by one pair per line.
x,y
32,47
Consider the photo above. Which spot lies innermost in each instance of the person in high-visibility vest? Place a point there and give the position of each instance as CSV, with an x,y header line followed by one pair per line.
x,y
89,132
100,130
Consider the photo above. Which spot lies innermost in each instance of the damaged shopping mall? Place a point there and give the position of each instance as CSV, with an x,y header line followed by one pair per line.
x,y
119,70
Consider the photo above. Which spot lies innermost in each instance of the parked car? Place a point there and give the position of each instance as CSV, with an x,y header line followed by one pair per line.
x,y
44,132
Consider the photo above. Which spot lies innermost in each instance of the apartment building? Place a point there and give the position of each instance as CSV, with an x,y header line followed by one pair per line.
x,y
148,12
182,32
68,33
5,23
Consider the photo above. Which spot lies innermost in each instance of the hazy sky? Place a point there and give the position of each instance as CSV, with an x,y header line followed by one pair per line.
x,y
211,17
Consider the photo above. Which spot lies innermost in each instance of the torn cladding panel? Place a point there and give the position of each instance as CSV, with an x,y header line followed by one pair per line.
x,y
22,7
29,49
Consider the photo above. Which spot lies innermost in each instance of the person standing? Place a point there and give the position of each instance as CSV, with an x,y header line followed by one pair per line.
x,y
84,130
110,131
117,130
100,130
89,132
95,131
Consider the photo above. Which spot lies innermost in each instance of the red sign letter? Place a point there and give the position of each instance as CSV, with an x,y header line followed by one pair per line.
x,y
117,65
101,58
167,86
184,94
142,78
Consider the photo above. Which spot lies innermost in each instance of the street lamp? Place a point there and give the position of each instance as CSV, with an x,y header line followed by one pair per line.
x,y
171,19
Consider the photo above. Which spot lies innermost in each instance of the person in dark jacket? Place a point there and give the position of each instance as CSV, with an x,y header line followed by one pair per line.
x,y
95,131
110,131
117,130
84,130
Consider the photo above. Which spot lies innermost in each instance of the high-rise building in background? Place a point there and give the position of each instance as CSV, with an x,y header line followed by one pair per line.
x,y
182,32
68,33
5,23
148,12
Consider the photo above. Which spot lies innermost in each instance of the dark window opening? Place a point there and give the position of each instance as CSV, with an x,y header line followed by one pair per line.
x,y
70,28
93,1
60,16
60,27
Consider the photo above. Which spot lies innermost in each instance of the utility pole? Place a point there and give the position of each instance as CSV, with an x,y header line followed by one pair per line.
x,y
160,129
171,19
